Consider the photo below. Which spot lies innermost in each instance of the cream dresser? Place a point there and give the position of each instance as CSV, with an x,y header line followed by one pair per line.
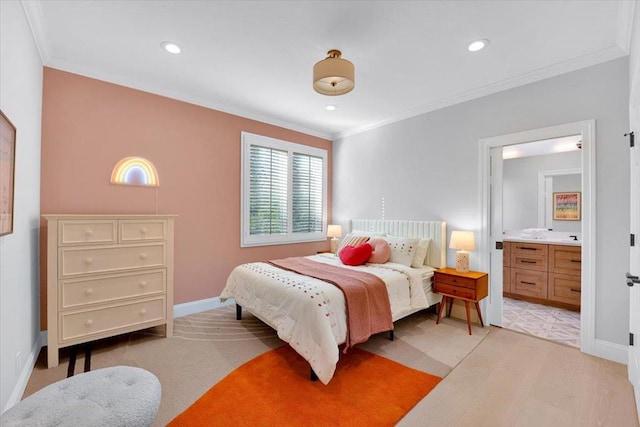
x,y
107,275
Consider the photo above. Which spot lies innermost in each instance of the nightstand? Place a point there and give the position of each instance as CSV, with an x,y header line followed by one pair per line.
x,y
468,287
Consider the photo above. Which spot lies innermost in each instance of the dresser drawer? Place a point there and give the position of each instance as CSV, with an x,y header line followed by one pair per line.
x,y
565,259
75,261
446,288
529,283
74,325
87,232
86,291
142,230
466,282
530,256
564,288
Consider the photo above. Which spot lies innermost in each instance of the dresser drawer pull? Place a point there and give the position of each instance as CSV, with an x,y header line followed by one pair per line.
x,y
528,283
576,290
143,256
143,283
89,232
88,322
143,230
89,291
525,261
576,260
143,312
88,261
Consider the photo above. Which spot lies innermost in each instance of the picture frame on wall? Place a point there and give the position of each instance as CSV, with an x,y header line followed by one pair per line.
x,y
7,173
566,206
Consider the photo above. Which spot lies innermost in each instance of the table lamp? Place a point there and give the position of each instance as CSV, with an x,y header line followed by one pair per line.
x,y
464,241
334,231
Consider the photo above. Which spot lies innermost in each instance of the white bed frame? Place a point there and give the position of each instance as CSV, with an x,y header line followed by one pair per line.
x,y
434,230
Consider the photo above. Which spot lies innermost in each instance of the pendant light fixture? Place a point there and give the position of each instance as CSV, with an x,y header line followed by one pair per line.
x,y
333,75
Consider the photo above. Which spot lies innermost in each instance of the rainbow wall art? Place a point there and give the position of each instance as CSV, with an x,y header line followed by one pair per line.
x,y
135,171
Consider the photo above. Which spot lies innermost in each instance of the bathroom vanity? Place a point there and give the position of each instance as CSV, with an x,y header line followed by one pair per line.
x,y
543,271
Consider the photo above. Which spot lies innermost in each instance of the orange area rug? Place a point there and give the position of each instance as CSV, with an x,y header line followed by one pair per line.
x,y
274,390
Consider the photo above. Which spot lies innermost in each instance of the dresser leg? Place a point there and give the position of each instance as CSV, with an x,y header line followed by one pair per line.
x,y
449,307
466,306
479,314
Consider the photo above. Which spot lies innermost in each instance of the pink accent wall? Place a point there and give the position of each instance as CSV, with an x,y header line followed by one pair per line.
x,y
88,125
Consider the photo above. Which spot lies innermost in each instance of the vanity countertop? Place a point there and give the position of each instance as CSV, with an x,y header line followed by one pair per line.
x,y
546,241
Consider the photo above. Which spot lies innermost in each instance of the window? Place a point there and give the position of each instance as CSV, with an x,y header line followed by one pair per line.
x,y
284,192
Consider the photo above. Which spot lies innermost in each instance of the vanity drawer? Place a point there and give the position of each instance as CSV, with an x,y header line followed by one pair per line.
x,y
564,288
142,230
529,283
80,292
529,256
565,259
74,325
87,232
75,261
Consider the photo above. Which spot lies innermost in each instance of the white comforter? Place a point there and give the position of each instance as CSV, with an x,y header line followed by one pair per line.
x,y
308,313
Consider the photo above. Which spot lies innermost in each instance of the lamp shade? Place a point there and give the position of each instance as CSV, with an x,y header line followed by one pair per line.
x,y
463,240
334,230
333,75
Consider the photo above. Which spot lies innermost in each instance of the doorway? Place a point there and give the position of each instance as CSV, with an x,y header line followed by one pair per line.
x,y
491,237
540,298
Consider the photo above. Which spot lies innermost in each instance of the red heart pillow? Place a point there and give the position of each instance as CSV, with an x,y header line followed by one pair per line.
x,y
357,255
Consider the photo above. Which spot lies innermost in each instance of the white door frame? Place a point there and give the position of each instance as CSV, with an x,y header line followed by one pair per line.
x,y
587,129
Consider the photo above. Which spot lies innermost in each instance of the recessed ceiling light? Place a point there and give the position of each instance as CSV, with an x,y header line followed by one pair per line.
x,y
170,47
478,45
330,107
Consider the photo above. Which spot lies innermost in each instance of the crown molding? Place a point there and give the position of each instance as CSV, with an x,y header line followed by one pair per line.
x,y
35,19
603,55
625,24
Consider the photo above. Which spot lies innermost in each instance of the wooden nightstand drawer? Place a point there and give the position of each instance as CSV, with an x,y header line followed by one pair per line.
x,y
445,288
466,282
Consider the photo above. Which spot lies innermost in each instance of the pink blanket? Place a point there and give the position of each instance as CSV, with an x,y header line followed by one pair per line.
x,y
366,297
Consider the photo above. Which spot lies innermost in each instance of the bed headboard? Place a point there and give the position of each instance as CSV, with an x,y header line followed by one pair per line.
x,y
434,230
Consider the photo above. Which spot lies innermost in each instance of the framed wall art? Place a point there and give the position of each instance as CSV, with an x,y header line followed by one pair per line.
x,y
566,206
7,173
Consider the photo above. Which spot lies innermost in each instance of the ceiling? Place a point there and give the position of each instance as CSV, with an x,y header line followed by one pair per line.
x,y
543,147
255,58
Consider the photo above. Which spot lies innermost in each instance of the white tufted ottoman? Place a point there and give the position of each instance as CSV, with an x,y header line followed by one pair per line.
x,y
118,396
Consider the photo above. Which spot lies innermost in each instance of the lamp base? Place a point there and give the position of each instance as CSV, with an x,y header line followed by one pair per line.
x,y
462,261
334,245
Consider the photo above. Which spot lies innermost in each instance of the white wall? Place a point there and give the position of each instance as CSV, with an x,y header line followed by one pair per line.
x,y
21,102
426,167
520,189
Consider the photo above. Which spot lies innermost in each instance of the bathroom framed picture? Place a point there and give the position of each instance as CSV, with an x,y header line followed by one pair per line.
x,y
566,206
7,165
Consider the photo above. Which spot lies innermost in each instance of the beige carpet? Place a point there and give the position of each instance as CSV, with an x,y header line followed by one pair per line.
x,y
207,346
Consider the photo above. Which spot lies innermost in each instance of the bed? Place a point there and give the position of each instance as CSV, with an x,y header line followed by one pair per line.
x,y
310,314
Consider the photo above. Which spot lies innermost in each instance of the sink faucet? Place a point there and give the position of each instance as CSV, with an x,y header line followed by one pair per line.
x,y
574,237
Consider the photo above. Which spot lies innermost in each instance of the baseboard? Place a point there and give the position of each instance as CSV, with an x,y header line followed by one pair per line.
x,y
23,380
611,351
181,310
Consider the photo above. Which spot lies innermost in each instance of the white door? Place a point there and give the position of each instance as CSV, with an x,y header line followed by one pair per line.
x,y
494,316
634,261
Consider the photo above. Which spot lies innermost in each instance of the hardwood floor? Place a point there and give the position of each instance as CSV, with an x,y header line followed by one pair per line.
x,y
512,379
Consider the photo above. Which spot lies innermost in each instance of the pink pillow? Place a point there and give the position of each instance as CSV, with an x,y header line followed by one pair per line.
x,y
381,251
358,255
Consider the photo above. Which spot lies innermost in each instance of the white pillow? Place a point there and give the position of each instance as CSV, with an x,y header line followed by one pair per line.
x,y
421,253
403,249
